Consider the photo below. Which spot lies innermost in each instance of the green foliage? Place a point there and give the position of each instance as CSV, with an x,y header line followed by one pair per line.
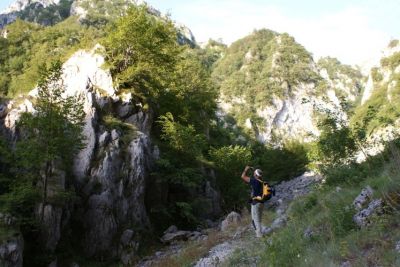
x,y
376,75
100,13
181,138
230,161
328,212
336,70
229,72
191,97
393,43
336,143
391,62
50,138
29,46
259,68
211,53
127,130
378,111
174,81
178,174
381,108
54,130
292,62
142,52
281,164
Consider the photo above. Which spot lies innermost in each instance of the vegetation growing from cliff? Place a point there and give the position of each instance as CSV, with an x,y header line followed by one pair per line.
x,y
174,81
29,46
385,96
49,140
256,67
46,15
345,75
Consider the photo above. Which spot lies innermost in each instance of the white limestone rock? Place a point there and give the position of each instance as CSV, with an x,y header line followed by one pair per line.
x,y
11,252
231,219
363,217
363,197
20,5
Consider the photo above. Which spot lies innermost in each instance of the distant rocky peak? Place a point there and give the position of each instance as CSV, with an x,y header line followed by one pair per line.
x,y
20,5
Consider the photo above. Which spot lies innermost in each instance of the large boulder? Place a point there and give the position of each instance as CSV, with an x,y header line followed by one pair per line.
x,y
363,217
233,219
363,197
11,252
11,242
176,236
288,190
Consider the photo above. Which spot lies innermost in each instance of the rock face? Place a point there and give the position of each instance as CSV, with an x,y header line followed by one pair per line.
x,y
232,219
52,217
31,10
172,235
11,252
363,217
366,207
11,243
20,5
363,197
381,74
111,169
273,94
288,190
7,18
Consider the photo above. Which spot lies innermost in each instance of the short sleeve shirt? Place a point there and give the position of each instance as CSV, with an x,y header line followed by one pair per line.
x,y
256,187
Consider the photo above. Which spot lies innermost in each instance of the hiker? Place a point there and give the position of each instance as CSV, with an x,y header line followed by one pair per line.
x,y
257,204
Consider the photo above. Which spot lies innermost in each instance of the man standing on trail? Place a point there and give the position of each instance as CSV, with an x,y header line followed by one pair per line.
x,y
257,206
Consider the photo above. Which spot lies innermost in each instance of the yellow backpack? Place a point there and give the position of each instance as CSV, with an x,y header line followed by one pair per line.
x,y
267,193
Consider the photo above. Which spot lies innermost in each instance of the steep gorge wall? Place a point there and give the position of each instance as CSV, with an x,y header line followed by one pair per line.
x,y
111,170
274,90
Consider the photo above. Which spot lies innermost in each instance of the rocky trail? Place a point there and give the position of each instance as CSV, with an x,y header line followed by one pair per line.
x,y
234,236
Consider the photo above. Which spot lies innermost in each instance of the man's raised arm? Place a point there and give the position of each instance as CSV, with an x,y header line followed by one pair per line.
x,y
244,176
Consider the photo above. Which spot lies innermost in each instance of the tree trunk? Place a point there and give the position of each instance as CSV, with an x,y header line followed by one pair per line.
x,y
47,175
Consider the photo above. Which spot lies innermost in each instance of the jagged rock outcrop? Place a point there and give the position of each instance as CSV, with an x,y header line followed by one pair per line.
x,y
11,243
110,170
366,207
363,217
6,19
52,217
20,5
45,12
273,89
289,190
382,74
232,219
11,252
363,197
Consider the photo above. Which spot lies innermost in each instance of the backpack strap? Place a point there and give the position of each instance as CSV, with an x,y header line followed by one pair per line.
x,y
259,198
261,181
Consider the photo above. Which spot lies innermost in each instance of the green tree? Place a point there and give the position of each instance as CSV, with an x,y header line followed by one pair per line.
x,y
142,51
229,162
51,135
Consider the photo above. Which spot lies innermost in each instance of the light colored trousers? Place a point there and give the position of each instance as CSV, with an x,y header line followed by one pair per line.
x,y
256,214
